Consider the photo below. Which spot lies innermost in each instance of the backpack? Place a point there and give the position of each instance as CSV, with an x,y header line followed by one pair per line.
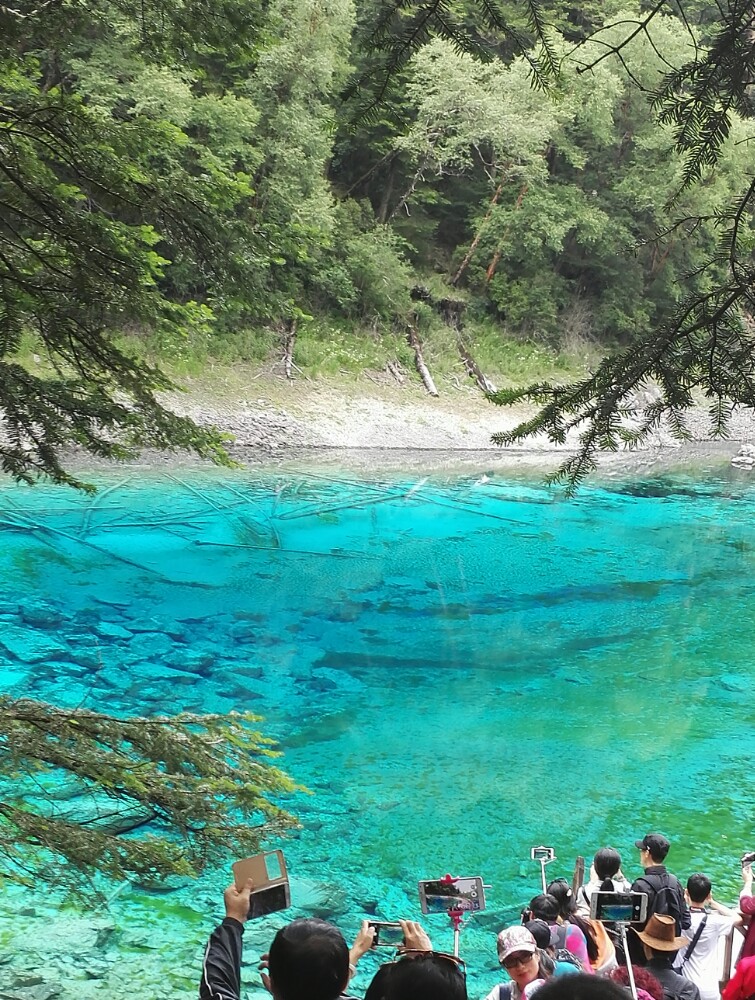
x,y
667,899
562,954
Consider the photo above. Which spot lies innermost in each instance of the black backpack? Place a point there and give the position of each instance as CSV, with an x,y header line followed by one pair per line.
x,y
668,898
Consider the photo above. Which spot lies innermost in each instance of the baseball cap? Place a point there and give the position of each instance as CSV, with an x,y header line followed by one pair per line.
x,y
515,939
656,843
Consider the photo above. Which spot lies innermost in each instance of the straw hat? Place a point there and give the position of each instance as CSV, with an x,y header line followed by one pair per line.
x,y
660,933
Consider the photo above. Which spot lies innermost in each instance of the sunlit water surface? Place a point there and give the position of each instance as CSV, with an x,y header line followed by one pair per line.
x,y
458,668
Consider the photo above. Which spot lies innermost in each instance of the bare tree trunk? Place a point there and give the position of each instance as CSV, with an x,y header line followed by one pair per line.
x,y
478,236
414,342
289,342
497,255
473,369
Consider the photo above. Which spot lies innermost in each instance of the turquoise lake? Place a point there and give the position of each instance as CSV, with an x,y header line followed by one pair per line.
x,y
458,666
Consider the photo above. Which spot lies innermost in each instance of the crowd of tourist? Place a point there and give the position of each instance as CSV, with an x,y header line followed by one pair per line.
x,y
558,951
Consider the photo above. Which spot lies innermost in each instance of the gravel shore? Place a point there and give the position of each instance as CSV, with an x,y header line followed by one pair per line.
x,y
283,420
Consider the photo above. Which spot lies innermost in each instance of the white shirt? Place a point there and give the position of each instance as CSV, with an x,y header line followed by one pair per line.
x,y
702,967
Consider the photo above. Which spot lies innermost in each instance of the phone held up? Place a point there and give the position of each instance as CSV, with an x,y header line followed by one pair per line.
x,y
619,907
543,853
271,890
448,895
387,935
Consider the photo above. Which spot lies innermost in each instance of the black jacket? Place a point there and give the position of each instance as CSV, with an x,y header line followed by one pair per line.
x,y
221,968
675,987
655,877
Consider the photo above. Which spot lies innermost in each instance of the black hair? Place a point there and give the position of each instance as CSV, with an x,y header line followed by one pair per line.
x,y
544,907
560,890
425,977
698,887
607,862
309,960
541,932
581,987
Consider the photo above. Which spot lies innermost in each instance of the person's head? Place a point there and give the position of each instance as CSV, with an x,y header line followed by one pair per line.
x,y
541,932
518,954
659,937
309,960
544,907
606,863
581,986
422,976
698,888
560,889
653,849
643,978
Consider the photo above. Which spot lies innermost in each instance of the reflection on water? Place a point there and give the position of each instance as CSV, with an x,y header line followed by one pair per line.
x,y
458,669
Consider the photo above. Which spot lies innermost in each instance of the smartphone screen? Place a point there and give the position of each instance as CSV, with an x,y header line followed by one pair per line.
x,y
386,935
437,896
269,900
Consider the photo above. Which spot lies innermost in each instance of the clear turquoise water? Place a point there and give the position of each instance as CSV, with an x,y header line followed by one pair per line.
x,y
458,669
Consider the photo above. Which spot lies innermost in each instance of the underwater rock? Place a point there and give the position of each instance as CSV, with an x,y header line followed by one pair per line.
x,y
192,661
152,671
90,659
319,898
29,646
735,683
149,646
243,631
40,615
97,812
109,630
160,626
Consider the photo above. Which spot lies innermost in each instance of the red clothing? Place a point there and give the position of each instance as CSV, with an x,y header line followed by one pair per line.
x,y
742,984
747,906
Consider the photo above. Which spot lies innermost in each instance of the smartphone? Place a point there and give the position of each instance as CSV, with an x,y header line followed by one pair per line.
x,y
543,853
271,890
619,907
441,896
387,935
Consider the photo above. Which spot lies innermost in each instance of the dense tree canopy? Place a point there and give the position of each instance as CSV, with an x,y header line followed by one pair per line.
x,y
177,173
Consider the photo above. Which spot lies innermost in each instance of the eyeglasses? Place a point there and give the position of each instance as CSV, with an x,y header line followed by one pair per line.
x,y
415,953
520,959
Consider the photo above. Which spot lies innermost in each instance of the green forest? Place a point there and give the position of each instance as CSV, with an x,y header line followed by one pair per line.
x,y
250,181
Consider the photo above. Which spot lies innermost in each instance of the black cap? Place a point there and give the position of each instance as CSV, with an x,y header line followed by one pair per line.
x,y
655,843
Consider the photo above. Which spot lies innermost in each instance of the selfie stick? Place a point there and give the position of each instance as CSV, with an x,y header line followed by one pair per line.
x,y
622,925
455,916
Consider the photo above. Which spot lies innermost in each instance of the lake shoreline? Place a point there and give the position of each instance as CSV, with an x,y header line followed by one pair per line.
x,y
369,427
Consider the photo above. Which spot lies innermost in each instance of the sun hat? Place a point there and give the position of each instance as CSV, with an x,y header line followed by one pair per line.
x,y
656,843
514,939
660,933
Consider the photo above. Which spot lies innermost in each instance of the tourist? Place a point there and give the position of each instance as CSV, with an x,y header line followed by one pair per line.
x,y
521,958
541,932
660,944
308,959
647,986
605,876
699,961
582,987
741,986
664,890
419,973
600,948
747,908
564,936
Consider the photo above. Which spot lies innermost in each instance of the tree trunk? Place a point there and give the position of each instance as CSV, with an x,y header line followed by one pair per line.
x,y
497,255
289,341
478,236
414,342
473,369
